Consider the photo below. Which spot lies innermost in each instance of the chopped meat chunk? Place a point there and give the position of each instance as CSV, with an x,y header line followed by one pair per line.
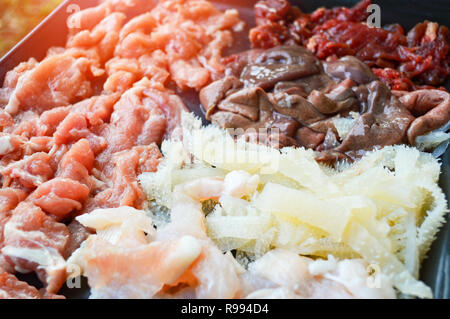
x,y
33,241
188,38
310,95
12,288
78,127
56,81
402,61
127,165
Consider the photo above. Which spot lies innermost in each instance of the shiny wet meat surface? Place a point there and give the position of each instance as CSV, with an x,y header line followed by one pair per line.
x,y
289,89
78,127
402,60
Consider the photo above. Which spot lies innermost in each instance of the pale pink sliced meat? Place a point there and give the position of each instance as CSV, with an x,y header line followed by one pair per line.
x,y
121,255
49,120
6,120
77,163
12,288
79,127
173,261
75,127
150,118
71,188
33,241
30,172
102,38
187,75
71,129
9,199
124,72
154,266
144,23
67,124
9,84
12,77
135,45
11,146
120,81
155,66
80,153
97,109
56,81
126,190
171,105
191,35
4,217
88,18
60,196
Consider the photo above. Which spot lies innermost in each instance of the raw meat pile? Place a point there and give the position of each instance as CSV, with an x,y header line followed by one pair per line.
x,y
338,108
418,59
77,128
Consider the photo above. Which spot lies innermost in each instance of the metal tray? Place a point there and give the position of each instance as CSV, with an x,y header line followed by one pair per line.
x,y
435,270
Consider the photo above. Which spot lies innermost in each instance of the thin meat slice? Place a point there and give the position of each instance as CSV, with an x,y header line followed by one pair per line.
x,y
76,127
97,109
88,18
142,116
46,124
70,189
171,106
9,199
29,172
34,242
191,35
102,39
13,288
77,163
9,84
67,124
124,72
11,147
4,217
13,76
154,266
125,190
129,254
60,196
56,81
